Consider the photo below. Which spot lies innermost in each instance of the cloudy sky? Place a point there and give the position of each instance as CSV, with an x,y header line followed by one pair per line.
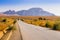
x,y
52,6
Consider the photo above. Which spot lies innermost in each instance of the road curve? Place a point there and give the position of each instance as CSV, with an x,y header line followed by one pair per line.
x,y
32,32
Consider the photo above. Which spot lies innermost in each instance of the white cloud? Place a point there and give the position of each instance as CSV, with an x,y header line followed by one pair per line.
x,y
53,9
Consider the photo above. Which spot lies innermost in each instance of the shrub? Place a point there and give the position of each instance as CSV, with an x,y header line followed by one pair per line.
x,y
14,22
10,28
44,19
55,27
50,24
21,19
47,24
18,18
4,20
40,18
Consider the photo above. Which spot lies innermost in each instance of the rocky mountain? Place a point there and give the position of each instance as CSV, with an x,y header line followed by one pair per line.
x,y
10,12
30,12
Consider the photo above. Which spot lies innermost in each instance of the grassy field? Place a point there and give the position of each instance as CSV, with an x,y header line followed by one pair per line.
x,y
6,24
44,21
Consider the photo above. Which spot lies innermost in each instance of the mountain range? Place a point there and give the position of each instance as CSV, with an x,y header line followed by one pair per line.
x,y
29,12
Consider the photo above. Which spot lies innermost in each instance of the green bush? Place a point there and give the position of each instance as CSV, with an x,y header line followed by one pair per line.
x,y
44,19
4,20
56,26
47,24
14,22
11,28
40,18
21,19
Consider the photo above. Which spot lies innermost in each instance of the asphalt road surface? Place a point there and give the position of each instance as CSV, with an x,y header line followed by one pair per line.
x,y
16,34
32,32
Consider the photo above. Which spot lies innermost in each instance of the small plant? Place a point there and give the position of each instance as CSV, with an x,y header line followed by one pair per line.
x,y
21,19
44,19
18,18
47,24
55,27
14,22
40,18
4,20
10,28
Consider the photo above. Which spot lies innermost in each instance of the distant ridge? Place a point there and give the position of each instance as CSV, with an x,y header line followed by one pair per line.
x,y
3,14
30,12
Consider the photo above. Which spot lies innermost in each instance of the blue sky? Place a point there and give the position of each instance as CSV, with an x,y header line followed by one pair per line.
x,y
24,2
52,6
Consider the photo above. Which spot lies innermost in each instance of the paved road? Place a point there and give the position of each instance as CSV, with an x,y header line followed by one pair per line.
x,y
16,35
31,32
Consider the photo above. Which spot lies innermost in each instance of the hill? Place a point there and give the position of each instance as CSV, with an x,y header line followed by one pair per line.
x,y
30,12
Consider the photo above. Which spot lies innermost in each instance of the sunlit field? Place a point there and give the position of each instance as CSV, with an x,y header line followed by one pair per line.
x,y
6,25
52,22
